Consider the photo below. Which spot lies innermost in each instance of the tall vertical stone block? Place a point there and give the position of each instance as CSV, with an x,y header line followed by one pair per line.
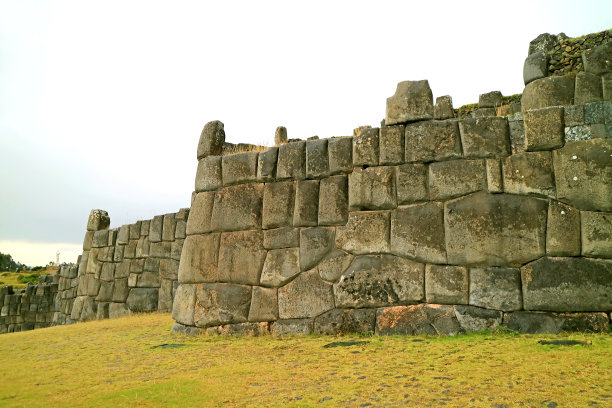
x,y
372,188
212,139
340,155
366,148
291,161
333,201
544,128
317,159
278,204
241,257
391,144
306,212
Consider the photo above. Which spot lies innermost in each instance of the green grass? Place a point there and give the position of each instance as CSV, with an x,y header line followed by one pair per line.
x,y
19,280
115,363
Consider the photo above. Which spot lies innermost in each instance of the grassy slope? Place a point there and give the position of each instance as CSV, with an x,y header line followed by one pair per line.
x,y
112,363
12,278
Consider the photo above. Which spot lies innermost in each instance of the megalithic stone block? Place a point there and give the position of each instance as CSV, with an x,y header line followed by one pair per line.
x,y
98,220
549,91
212,139
412,101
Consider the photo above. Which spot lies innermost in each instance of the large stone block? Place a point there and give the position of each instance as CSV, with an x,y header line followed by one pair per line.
x,y
199,221
169,228
116,310
417,232
391,145
292,326
494,176
496,288
495,229
597,60
136,228
317,160
540,323
475,319
334,265
562,230
485,137
105,294
443,109
278,204
164,300
550,91
98,220
306,296
281,238
208,174
435,320
333,201
567,284
380,280
346,321
490,99
280,136
315,243
238,207
148,280
411,183
221,303
160,249
340,151
544,42
241,257
120,290
432,141
183,306
529,173
517,132
372,188
264,305
239,168
366,232
124,234
588,88
596,232
291,161
544,128
155,229
100,239
446,284
366,148
142,299
88,240
200,258
266,164
455,178
535,67
212,139
168,269
412,101
280,266
306,211
583,171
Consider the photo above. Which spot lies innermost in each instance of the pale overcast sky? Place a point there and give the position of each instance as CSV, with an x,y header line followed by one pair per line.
x,y
102,103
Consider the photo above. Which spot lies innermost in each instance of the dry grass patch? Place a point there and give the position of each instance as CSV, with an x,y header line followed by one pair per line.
x,y
116,363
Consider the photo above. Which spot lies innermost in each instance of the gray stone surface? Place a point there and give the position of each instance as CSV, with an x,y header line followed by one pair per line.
x,y
583,171
391,144
278,204
292,326
411,183
485,137
494,229
588,88
238,207
496,288
606,82
380,280
333,200
240,329
573,115
517,132
544,128
455,178
365,232
155,229
550,91
366,148
567,284
306,211
88,240
100,239
98,220
535,67
208,174
280,135
562,230
124,234
281,238
446,284
280,266
317,158
266,164
543,323
239,168
529,173
596,232
346,321
178,328
340,152
241,257
183,306
417,232
494,176
597,112
597,60
372,188
432,141
306,296
201,212
169,228
490,99
264,305
315,244
443,108
475,319
334,265
221,303
542,43
291,161
116,310
142,300
199,259
412,101
212,139
435,320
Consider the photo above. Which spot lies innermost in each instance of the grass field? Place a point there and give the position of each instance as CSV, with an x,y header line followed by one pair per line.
x,y
18,280
118,363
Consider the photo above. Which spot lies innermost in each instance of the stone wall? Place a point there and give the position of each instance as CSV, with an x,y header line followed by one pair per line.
x,y
133,268
420,226
30,308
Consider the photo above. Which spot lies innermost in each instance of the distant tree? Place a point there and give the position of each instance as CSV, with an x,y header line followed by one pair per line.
x,y
8,264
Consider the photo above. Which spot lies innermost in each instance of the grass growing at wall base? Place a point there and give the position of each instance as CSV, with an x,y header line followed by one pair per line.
x,y
118,363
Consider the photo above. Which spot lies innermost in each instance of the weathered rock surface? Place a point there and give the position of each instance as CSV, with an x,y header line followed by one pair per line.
x,y
485,137
315,244
372,188
291,161
280,266
142,299
412,101
420,319
317,159
239,168
544,128
278,204
221,303
496,288
306,211
432,141
411,183
596,231
334,265
184,304
238,207
346,321
529,173
365,232
264,305
539,322
98,220
535,67
366,148
306,296
391,144
446,284
199,259
563,230
333,201
212,139
597,60
241,257
417,231
340,155
475,319
549,91
455,178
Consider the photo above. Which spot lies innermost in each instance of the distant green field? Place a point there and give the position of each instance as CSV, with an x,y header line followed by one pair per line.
x,y
136,362
19,280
